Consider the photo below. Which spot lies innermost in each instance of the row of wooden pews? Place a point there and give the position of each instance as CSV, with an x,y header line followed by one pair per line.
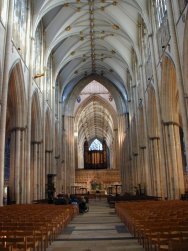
x,y
32,227
158,225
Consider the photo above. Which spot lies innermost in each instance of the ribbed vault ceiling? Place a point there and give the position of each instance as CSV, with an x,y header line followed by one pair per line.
x,y
91,38
95,119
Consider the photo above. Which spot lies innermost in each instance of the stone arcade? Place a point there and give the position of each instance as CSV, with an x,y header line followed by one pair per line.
x,y
77,71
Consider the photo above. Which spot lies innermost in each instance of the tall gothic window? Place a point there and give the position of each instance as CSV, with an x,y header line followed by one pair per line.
x,y
20,25
95,145
163,32
161,9
37,64
3,11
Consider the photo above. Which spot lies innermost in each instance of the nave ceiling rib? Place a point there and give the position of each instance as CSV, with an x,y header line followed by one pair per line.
x,y
98,34
91,38
95,121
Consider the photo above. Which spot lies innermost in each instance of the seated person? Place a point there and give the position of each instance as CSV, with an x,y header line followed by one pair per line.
x,y
73,200
61,200
83,207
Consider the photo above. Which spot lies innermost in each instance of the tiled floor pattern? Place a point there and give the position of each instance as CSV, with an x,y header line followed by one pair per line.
x,y
97,230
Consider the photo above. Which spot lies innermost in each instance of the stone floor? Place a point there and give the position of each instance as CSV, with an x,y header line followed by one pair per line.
x,y
97,230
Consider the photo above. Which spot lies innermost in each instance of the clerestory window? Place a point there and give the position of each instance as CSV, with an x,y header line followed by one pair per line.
x,y
3,11
161,9
20,25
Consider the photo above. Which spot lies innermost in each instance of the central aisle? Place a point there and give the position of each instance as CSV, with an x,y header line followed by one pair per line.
x,y
100,229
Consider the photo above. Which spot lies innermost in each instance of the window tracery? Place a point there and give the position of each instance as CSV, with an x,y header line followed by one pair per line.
x,y
161,10
3,11
20,17
96,145
37,64
163,32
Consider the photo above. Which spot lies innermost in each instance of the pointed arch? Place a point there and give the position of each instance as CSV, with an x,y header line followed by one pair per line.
x,y
102,107
168,91
152,118
70,94
15,132
169,99
16,103
36,126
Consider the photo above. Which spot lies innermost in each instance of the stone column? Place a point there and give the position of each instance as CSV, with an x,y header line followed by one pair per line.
x,y
28,135
115,150
43,170
179,77
48,162
155,174
63,161
142,165
23,169
174,167
135,169
41,185
145,147
15,165
38,171
35,169
58,172
12,165
130,175
129,164
8,50
69,148
121,148
154,69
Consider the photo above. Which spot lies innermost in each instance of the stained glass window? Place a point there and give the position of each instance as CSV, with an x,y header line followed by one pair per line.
x,y
37,64
3,11
20,25
96,145
160,6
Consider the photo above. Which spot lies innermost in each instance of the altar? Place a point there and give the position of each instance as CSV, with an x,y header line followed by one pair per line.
x,y
101,192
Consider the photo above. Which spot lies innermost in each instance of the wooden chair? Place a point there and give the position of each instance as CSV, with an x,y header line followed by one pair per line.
x,y
178,245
